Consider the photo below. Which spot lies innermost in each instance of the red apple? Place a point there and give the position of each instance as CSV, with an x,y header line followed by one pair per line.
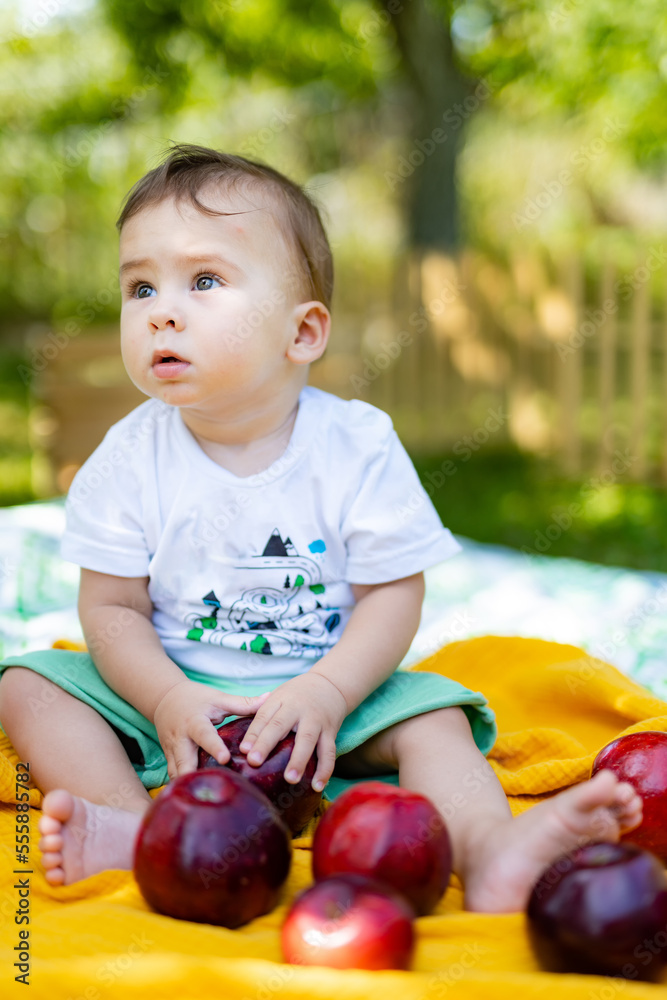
x,y
212,848
349,922
601,909
390,834
297,803
641,759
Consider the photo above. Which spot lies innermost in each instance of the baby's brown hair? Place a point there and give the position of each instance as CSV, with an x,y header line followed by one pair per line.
x,y
189,168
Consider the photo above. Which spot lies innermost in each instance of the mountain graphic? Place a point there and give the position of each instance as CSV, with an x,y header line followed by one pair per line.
x,y
277,547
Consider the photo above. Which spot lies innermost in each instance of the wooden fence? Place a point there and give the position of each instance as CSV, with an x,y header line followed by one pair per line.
x,y
563,357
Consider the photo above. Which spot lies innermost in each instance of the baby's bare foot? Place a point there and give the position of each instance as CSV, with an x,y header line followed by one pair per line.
x,y
505,864
80,838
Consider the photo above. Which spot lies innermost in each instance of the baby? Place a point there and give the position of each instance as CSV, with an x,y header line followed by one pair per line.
x,y
244,550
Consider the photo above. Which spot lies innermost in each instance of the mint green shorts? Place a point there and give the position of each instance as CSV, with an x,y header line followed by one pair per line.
x,y
402,696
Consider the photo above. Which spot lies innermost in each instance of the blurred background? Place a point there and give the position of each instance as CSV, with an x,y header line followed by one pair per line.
x,y
492,174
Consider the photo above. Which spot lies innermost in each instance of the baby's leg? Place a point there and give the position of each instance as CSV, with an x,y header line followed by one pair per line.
x,y
66,742
70,746
497,857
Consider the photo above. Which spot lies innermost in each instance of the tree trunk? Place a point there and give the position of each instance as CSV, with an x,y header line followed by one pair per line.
x,y
437,92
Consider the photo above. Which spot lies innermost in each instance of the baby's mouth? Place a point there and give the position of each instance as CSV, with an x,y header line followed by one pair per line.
x,y
166,365
161,356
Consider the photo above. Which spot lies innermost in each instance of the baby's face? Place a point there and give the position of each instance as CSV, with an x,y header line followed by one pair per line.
x,y
216,294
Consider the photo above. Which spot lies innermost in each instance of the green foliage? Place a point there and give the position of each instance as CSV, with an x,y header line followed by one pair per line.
x,y
509,498
90,100
286,41
15,450
569,59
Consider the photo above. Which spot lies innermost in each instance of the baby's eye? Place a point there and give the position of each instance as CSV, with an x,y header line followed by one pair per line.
x,y
203,282
142,290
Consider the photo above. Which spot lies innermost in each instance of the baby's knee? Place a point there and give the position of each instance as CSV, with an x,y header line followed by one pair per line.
x,y
452,722
21,689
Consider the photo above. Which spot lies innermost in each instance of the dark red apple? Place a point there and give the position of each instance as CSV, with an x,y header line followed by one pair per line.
x,y
386,833
349,922
641,759
603,910
297,803
212,848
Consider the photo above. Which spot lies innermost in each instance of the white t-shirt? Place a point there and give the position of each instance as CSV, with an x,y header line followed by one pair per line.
x,y
250,577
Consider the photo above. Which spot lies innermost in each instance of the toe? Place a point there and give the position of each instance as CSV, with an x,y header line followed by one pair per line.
x,y
49,824
51,842
625,793
58,804
629,820
598,791
52,860
602,824
55,877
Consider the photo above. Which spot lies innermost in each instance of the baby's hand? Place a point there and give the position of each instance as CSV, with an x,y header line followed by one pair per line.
x,y
184,721
313,706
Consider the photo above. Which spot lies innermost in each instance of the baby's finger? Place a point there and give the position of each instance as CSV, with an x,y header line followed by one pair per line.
x,y
326,761
274,730
304,744
171,766
210,741
233,704
184,756
261,719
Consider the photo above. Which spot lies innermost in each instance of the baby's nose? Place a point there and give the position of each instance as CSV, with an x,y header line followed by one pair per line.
x,y
161,317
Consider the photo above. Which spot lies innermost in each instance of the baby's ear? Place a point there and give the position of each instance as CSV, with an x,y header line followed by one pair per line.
x,y
313,324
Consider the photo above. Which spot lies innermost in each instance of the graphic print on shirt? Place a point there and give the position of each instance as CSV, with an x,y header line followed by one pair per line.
x,y
280,617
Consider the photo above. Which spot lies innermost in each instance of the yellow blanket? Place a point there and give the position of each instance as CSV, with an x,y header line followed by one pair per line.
x,y
98,940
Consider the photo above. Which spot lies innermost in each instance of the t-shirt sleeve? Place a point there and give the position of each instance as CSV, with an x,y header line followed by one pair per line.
x,y
104,513
391,529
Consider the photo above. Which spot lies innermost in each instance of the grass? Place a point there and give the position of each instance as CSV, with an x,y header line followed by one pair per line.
x,y
508,498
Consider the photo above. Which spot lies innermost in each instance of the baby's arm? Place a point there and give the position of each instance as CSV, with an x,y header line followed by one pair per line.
x,y
376,638
115,614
